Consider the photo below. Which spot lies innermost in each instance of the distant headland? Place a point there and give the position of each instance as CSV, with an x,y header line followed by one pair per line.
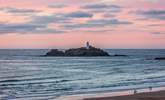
x,y
87,51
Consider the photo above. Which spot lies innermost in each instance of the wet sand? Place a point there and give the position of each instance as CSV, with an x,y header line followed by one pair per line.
x,y
141,96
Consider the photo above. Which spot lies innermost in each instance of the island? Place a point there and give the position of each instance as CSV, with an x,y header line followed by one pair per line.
x,y
87,51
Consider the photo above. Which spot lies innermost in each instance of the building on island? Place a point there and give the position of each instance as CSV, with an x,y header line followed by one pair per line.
x,y
87,45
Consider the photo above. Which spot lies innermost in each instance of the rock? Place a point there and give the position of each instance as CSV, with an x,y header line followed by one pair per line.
x,y
83,51
86,52
119,55
55,52
159,58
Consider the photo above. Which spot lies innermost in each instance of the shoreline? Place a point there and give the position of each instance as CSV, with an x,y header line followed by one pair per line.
x,y
120,95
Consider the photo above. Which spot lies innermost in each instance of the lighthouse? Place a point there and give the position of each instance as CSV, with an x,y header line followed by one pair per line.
x,y
87,45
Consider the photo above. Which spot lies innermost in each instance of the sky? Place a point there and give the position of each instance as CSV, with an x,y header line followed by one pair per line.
x,y
36,24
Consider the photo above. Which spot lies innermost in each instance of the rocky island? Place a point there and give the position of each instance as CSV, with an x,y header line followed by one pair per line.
x,y
87,51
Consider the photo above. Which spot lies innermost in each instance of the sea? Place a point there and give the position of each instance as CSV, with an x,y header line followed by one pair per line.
x,y
27,75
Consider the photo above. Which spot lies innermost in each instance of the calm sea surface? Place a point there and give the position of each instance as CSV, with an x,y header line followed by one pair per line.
x,y
25,75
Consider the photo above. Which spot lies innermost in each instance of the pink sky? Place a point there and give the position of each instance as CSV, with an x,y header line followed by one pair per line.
x,y
70,23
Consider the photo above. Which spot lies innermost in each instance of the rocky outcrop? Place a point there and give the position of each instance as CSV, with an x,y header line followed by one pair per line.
x,y
86,52
159,58
55,52
119,55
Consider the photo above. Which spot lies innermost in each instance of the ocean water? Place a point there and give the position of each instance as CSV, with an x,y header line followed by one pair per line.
x,y
25,75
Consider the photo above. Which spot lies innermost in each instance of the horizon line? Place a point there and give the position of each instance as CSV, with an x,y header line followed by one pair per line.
x,y
70,48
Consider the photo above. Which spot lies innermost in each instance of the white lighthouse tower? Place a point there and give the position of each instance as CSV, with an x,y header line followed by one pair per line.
x,y
87,45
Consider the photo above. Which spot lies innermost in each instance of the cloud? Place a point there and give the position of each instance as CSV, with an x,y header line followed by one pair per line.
x,y
102,7
48,19
107,15
154,14
79,14
40,24
99,31
156,25
48,31
24,28
108,21
95,6
158,33
98,23
153,1
57,5
17,28
59,18
18,11
63,21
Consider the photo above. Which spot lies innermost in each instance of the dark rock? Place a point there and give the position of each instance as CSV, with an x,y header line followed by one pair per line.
x,y
55,52
86,52
119,55
159,58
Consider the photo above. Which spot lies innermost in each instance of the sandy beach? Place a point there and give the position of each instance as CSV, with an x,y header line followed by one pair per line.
x,y
142,94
